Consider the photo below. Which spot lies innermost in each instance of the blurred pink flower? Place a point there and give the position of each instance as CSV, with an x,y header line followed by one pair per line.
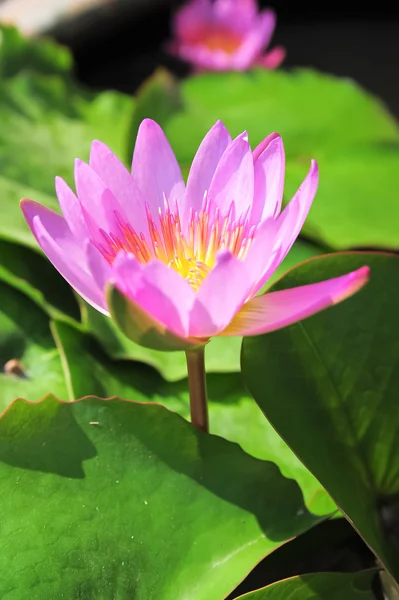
x,y
189,259
225,35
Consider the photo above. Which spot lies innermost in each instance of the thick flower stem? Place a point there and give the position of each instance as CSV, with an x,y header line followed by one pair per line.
x,y
197,388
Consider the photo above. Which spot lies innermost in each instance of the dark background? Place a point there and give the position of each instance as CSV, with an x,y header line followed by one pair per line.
x,y
119,49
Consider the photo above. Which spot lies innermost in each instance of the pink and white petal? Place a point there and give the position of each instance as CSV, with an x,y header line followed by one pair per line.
x,y
100,208
221,295
155,168
236,15
191,17
257,39
275,310
263,254
205,59
274,238
233,180
272,59
56,227
71,209
64,251
157,289
117,178
295,213
99,267
269,170
204,166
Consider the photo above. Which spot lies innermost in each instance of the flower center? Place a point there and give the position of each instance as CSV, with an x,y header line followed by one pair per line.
x,y
221,39
192,252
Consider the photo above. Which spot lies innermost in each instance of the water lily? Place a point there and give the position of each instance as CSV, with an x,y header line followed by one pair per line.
x,y
225,35
177,264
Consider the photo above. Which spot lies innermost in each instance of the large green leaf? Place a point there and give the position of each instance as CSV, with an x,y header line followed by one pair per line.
x,y
25,336
46,123
329,387
128,501
319,586
233,413
38,55
349,132
223,354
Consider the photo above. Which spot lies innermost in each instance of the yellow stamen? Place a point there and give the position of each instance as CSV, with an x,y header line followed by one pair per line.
x,y
191,254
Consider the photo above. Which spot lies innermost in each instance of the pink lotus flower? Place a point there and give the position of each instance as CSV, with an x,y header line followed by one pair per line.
x,y
225,35
188,260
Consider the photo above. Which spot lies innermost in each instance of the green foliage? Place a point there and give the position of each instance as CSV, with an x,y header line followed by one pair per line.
x,y
123,501
334,400
319,586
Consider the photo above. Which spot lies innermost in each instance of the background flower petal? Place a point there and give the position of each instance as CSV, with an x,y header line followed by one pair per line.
x,y
272,59
236,15
189,18
257,39
275,310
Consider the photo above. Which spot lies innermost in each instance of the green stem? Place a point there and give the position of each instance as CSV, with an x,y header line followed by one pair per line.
x,y
197,388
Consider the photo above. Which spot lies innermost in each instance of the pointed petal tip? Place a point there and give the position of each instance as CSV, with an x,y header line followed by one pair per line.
x,y
78,164
354,282
272,138
30,208
149,125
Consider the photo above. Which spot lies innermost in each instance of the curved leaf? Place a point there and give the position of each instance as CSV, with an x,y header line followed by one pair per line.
x,y
329,387
128,501
319,586
233,413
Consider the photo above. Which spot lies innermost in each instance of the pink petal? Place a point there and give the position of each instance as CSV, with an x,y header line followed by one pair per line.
x,y
220,296
255,41
189,18
99,267
204,166
122,185
269,178
71,209
155,168
64,251
158,290
294,215
273,59
275,310
263,254
233,180
274,238
100,208
205,59
236,15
